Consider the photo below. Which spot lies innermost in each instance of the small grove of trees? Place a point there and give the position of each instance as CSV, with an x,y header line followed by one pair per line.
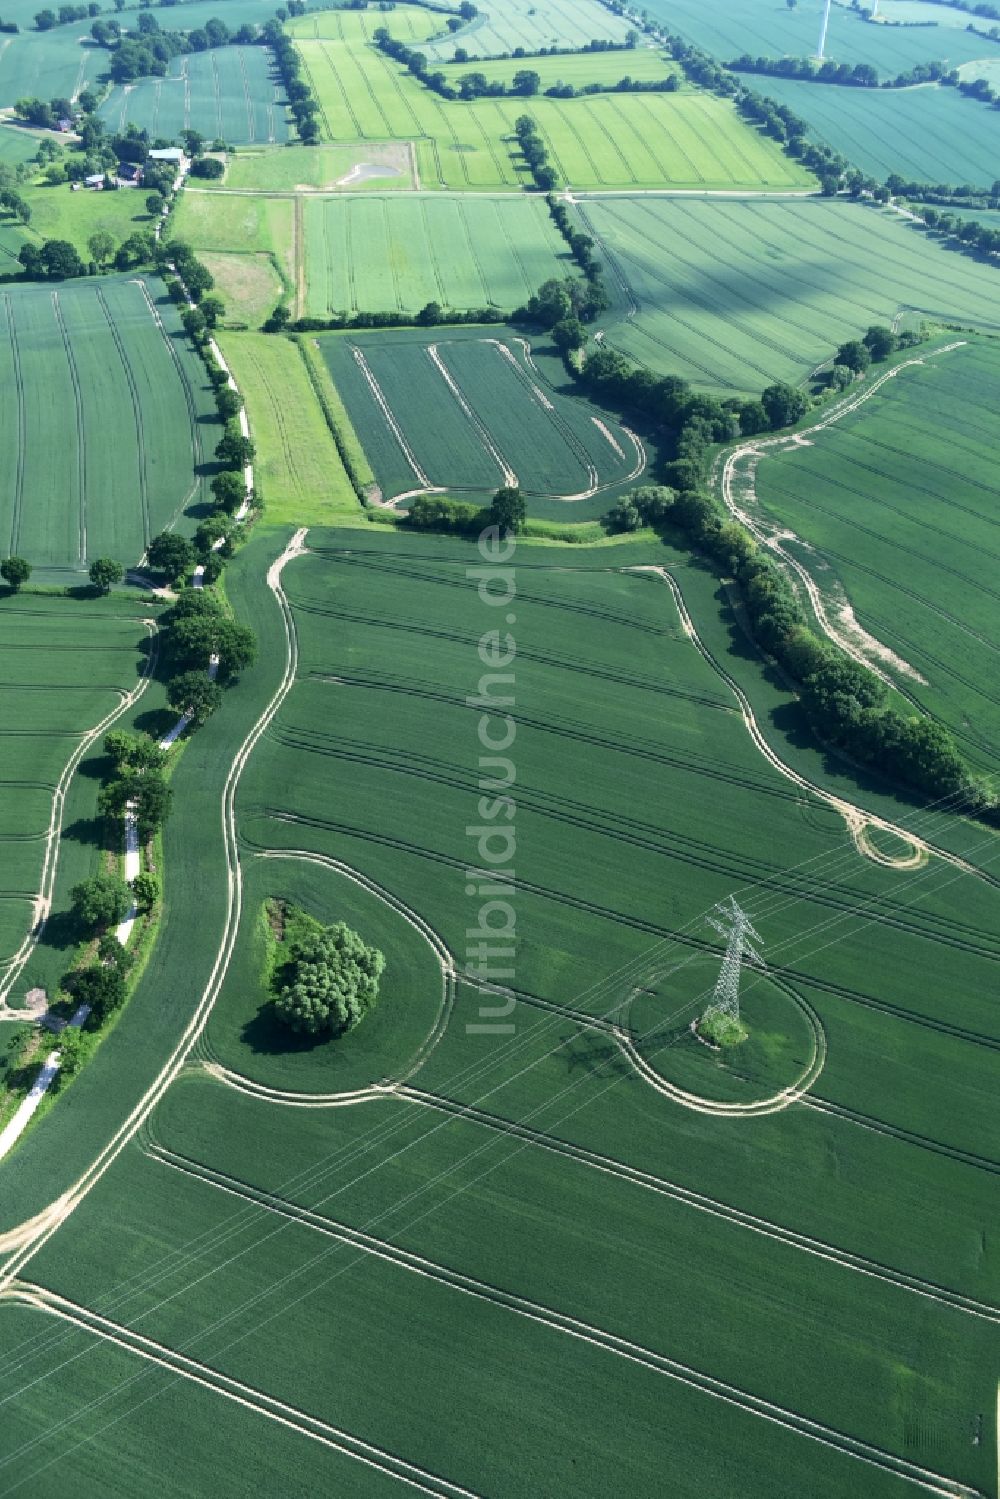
x,y
171,555
104,573
208,166
196,636
332,982
136,782
507,511
101,901
15,572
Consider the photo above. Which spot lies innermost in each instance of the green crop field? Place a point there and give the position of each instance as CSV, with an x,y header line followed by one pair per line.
x,y
899,500
736,294
372,253
50,64
794,1292
324,168
578,68
682,140
18,144
298,468
228,92
503,25
102,434
467,411
234,223
67,665
59,213
925,134
764,28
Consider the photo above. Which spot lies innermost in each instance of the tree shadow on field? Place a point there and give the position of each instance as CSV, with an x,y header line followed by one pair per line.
x,y
156,722
267,1037
598,1058
88,830
62,931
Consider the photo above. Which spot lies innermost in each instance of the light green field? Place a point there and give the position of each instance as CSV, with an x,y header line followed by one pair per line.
x,y
371,253
900,499
330,168
236,224
736,294
59,213
465,409
108,421
67,664
683,140
924,134
298,468
18,144
503,25
278,1243
578,69
232,93
249,284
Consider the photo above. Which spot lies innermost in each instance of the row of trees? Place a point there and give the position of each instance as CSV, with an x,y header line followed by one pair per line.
x,y
303,106
969,233
507,511
535,153
596,44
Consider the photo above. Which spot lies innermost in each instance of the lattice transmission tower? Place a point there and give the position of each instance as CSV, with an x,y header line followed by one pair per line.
x,y
734,924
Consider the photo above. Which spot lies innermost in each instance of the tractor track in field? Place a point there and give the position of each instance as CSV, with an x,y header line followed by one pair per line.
x,y
81,474
475,421
140,432
626,919
25,1240
613,1343
203,1046
182,1366
12,970
772,537
639,834
18,496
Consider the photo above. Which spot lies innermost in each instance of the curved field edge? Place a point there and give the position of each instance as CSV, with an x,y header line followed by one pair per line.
x,y
81,1122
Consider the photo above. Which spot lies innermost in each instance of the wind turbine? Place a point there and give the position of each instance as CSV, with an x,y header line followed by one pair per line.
x,y
823,27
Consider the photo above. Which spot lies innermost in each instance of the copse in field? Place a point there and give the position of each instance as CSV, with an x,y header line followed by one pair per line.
x,y
333,982
15,571
101,901
104,572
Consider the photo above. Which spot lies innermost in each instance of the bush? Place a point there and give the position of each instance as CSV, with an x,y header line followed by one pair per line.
x,y
208,166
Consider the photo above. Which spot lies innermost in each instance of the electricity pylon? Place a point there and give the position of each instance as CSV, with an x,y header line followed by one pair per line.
x,y
733,924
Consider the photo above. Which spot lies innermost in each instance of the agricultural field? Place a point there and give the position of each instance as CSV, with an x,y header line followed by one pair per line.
x,y
51,64
481,1189
18,144
318,168
227,93
925,134
897,502
644,64
736,294
69,665
369,253
468,411
727,28
503,25
248,283
621,141
298,470
103,437
233,223
59,213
